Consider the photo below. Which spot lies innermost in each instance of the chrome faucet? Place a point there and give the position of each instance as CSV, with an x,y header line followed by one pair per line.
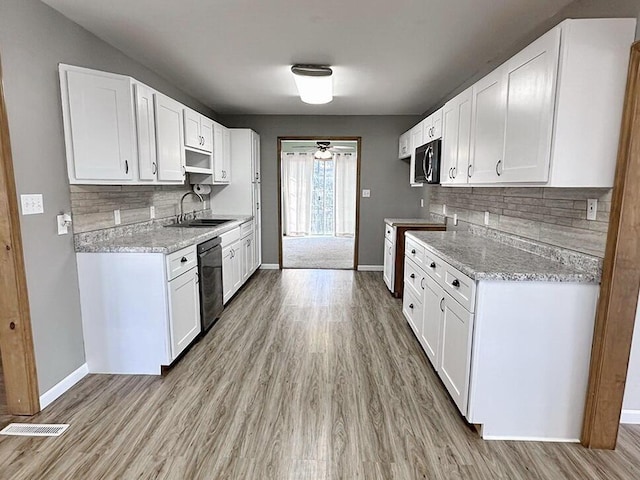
x,y
182,216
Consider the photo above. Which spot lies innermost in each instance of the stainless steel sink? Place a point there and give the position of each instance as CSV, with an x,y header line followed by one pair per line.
x,y
200,222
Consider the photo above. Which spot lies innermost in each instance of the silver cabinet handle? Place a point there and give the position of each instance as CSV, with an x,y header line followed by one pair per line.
x,y
498,167
154,169
184,170
422,282
126,166
441,309
469,172
454,172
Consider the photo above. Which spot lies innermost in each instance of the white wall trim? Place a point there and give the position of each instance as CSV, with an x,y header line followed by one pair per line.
x,y
630,416
370,268
530,439
269,266
61,387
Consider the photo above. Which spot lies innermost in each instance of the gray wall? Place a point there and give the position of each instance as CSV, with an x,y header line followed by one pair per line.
x,y
33,39
381,171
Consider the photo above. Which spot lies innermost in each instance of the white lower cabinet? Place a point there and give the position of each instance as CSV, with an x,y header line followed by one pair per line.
x,y
139,310
238,258
387,271
513,355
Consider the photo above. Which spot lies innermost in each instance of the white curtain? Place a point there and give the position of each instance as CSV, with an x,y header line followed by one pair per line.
x,y
345,194
297,175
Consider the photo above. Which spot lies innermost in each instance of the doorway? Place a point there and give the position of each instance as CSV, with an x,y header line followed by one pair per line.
x,y
318,202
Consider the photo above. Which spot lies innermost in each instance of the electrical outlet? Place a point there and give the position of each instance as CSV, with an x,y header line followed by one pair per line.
x,y
444,209
486,218
422,203
116,217
366,193
592,208
455,218
32,204
152,212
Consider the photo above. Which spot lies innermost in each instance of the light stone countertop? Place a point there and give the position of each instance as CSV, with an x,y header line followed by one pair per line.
x,y
160,239
484,259
394,222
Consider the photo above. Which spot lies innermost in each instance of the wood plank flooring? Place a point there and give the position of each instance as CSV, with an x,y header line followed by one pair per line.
x,y
308,375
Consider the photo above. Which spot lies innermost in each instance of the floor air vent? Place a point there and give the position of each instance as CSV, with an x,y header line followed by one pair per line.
x,y
34,429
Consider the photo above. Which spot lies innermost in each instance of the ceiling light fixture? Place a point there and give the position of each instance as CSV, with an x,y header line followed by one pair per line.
x,y
323,155
314,83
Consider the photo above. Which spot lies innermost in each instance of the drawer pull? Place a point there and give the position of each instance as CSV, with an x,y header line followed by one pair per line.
x,y
183,260
455,283
433,265
441,309
411,306
413,275
422,282
413,251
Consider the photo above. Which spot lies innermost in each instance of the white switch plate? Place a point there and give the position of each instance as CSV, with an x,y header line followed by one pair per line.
x,y
455,218
32,204
366,193
152,212
444,209
64,220
422,203
116,217
592,208
486,218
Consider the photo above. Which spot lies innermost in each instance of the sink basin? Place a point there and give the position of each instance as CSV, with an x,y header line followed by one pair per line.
x,y
200,222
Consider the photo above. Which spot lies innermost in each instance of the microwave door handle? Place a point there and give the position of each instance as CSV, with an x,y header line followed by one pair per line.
x,y
424,164
429,170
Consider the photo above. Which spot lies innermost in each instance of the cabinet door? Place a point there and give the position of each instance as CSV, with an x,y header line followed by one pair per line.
x,y
461,168
257,222
432,319
455,355
436,125
404,145
487,145
184,299
416,141
387,271
102,126
206,132
449,157
169,141
227,273
226,154
249,258
531,86
237,253
192,136
146,126
218,154
255,157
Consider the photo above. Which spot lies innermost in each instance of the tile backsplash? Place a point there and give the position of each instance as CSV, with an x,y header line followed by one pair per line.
x,y
92,206
557,216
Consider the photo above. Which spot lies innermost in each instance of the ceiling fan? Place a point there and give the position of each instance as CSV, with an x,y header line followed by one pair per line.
x,y
323,149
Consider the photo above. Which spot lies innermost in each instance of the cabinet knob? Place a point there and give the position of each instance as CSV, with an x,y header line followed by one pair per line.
x,y
413,275
183,260
413,251
455,283
411,306
433,265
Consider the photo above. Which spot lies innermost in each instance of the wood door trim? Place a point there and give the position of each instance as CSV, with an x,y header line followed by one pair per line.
x,y
16,340
358,141
616,311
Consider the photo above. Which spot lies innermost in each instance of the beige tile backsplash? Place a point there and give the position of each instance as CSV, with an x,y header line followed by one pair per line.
x,y
92,206
557,216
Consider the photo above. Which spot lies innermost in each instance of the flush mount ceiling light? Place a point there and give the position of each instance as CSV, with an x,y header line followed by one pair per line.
x,y
314,83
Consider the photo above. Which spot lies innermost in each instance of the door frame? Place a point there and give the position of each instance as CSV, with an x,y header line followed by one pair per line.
x,y
16,340
312,138
616,310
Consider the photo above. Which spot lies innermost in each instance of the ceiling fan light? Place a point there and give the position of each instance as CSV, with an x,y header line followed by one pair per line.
x,y
323,155
314,83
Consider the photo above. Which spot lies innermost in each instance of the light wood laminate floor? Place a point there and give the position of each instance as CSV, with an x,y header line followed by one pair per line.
x,y
308,375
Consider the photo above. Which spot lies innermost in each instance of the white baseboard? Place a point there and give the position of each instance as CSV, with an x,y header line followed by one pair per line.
x,y
269,266
61,387
370,268
630,416
530,439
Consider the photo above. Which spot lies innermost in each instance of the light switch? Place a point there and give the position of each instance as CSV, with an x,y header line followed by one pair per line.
x,y
486,218
32,204
592,208
64,220
116,217
152,212
366,193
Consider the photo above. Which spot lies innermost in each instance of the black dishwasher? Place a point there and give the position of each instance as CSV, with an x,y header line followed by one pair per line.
x,y
210,273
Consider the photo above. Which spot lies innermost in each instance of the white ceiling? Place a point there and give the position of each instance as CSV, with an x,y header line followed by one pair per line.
x,y
388,56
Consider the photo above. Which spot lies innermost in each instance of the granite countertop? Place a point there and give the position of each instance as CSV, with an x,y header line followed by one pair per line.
x,y
484,259
394,222
160,239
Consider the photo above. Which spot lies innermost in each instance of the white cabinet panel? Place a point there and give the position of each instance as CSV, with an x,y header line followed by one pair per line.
x,y
100,115
387,271
184,299
192,136
489,101
206,132
221,160
146,128
432,320
169,139
404,145
455,355
531,80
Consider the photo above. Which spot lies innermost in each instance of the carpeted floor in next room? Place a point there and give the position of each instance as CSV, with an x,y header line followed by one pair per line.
x,y
318,252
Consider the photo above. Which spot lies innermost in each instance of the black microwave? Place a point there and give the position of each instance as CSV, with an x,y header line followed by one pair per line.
x,y
427,163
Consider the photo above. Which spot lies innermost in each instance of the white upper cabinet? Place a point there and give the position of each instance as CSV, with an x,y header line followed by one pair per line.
x,y
99,126
221,154
198,131
531,87
169,139
146,128
489,101
404,145
456,138
432,127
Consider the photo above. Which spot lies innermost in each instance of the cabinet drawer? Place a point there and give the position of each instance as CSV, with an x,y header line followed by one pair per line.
x,y
413,277
229,237
414,251
412,310
181,261
434,267
460,287
246,229
389,232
